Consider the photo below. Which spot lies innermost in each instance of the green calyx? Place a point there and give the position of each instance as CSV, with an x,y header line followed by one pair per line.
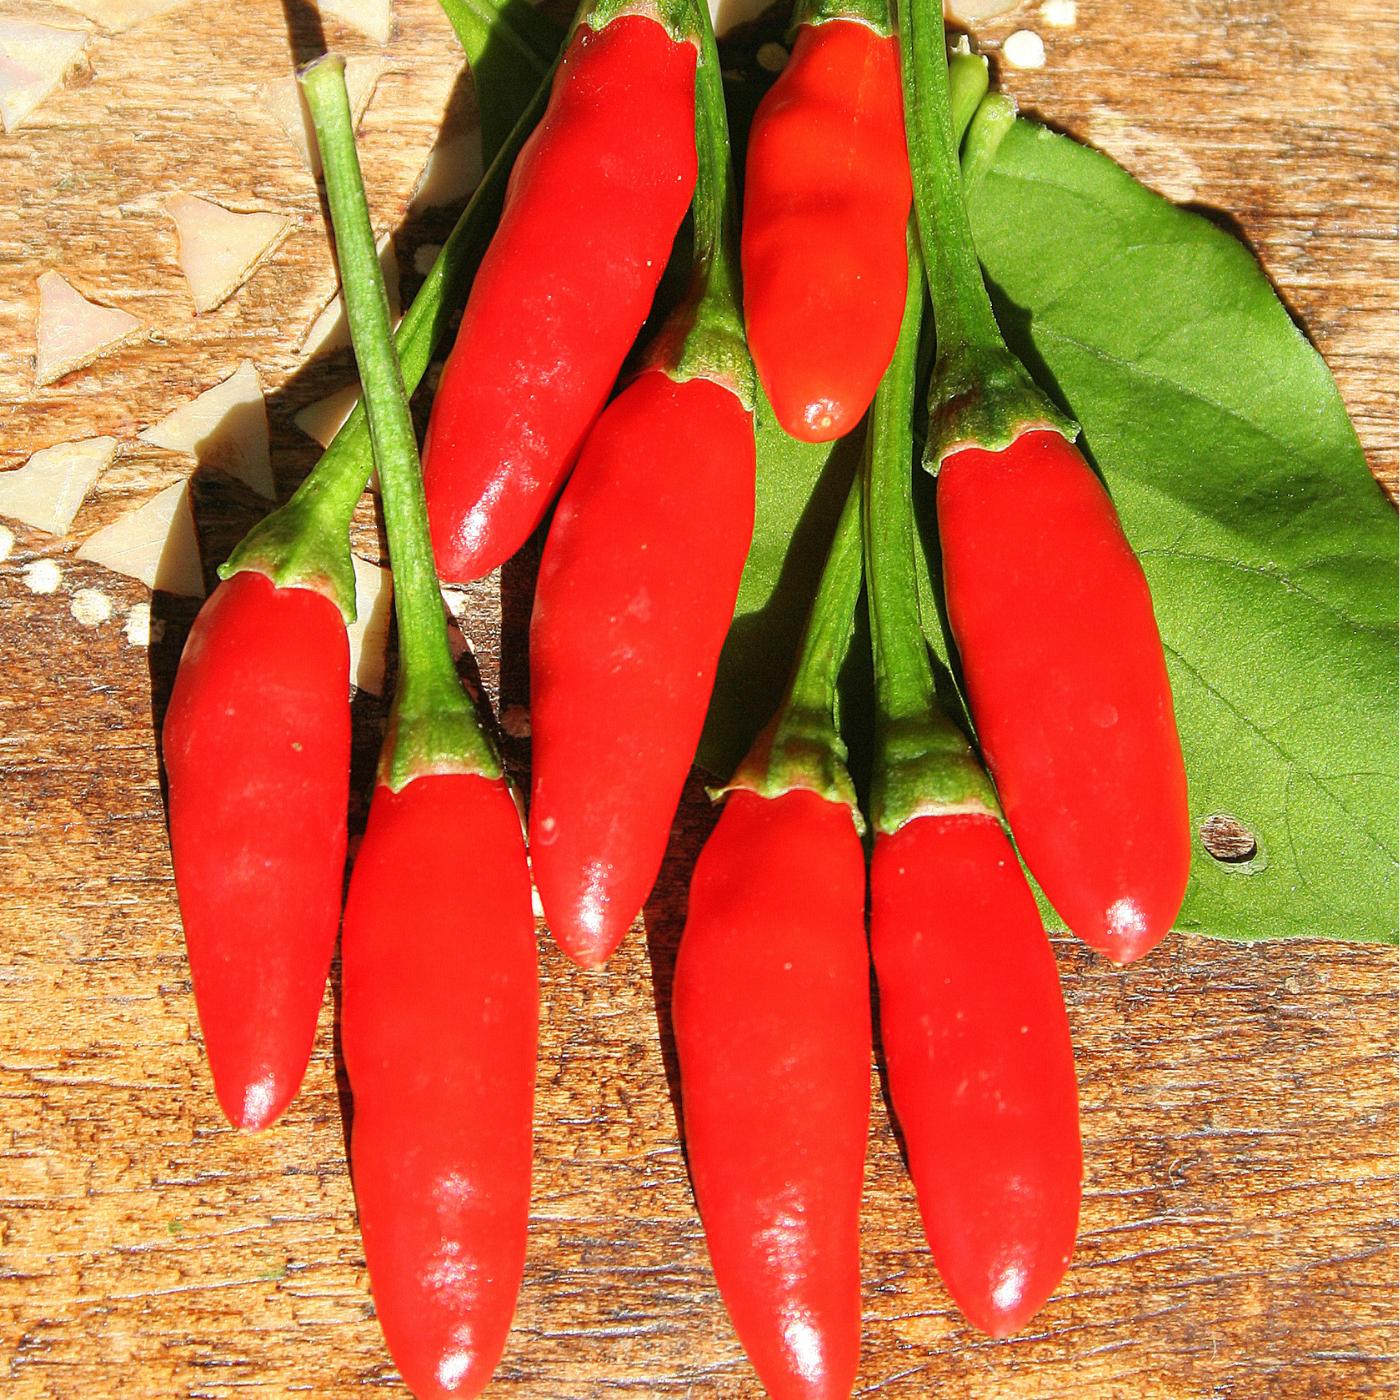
x,y
873,14
924,765
704,337
980,395
306,544
801,746
679,18
433,726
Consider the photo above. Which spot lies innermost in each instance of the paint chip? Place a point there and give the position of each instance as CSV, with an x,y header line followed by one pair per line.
x,y
117,15
33,61
72,331
48,489
7,542
424,256
226,428
729,14
453,167
286,102
138,625
369,633
970,10
221,249
374,18
90,606
1024,49
772,58
155,543
42,576
1059,14
515,720
331,330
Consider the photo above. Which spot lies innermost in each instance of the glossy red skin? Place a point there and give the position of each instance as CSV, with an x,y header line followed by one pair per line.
x,y
771,1010
256,742
439,1024
591,211
826,200
635,595
980,1064
1068,687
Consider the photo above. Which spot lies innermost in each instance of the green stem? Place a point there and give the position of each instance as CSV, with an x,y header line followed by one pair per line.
x,y
923,762
801,746
704,337
434,727
306,543
981,395
995,116
874,14
967,85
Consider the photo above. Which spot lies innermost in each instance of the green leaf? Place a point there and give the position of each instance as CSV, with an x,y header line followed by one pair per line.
x,y
509,48
1270,549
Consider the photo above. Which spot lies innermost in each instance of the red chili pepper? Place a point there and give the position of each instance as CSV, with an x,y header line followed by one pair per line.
x,y
1050,610
440,1010
591,211
980,1064
977,1044
826,200
439,1023
634,598
771,1009
256,743
1068,686
637,585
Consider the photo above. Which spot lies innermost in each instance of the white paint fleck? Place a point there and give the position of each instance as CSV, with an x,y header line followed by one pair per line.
x,y
90,606
220,248
424,256
772,57
48,489
515,720
969,10
43,575
33,60
138,625
7,542
72,331
1059,14
1024,49
224,427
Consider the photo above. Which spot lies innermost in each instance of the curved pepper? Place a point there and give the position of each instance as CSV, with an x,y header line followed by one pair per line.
x,y
592,208
1068,686
256,742
826,199
439,1024
980,1064
634,598
771,1008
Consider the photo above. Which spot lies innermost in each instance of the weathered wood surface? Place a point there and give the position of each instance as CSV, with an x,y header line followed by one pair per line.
x,y
1239,1103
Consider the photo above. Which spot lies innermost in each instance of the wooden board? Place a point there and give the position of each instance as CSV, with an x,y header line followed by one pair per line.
x,y
1239,1103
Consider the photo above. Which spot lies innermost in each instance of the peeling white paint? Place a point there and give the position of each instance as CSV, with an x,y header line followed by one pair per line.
x,y
72,331
48,489
138,625
1059,14
220,249
224,427
33,61
1024,49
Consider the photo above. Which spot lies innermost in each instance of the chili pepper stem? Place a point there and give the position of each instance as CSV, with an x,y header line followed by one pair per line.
x,y
306,543
704,337
981,395
924,764
801,747
433,726
873,14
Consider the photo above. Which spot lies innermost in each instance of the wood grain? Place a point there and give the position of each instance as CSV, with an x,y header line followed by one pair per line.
x,y
1239,1102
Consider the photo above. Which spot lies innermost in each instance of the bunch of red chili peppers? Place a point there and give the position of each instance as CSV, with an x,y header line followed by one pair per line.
x,y
1061,666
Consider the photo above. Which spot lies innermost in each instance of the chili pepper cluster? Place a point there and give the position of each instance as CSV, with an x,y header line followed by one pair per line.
x,y
853,206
